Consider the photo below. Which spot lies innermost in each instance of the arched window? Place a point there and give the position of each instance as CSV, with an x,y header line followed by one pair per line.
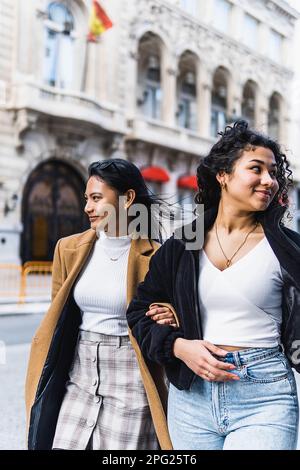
x,y
219,101
248,102
274,116
58,52
187,94
152,91
149,77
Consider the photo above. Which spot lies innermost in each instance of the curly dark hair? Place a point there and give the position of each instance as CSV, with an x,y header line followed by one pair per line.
x,y
226,151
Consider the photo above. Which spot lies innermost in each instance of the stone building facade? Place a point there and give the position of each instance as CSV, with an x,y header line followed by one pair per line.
x,y
154,89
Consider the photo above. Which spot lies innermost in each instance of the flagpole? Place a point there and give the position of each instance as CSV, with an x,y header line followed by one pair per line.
x,y
86,58
85,65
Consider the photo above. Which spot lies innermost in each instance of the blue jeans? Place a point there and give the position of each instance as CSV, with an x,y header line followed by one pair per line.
x,y
260,411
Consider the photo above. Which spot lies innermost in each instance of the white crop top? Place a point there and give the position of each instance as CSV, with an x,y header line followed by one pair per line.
x,y
241,306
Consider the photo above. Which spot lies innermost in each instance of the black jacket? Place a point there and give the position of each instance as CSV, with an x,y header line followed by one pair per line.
x,y
173,278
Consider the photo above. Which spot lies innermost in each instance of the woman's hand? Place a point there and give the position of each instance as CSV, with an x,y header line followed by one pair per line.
x,y
196,354
162,315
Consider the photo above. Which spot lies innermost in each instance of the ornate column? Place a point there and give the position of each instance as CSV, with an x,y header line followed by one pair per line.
x,y
131,87
91,67
235,97
168,82
261,111
204,90
284,123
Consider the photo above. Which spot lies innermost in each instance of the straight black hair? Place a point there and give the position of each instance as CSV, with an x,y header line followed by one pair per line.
x,y
122,175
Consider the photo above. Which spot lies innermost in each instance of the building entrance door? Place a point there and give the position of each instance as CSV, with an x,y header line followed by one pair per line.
x,y
53,204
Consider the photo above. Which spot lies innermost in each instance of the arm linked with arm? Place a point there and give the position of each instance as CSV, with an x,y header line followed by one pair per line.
x,y
156,341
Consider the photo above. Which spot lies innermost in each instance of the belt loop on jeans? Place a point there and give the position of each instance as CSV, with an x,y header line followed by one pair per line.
x,y
119,343
236,357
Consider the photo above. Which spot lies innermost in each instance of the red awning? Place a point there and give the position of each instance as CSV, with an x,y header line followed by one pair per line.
x,y
155,173
188,182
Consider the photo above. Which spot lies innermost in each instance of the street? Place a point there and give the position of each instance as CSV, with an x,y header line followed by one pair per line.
x,y
16,333
18,329
12,377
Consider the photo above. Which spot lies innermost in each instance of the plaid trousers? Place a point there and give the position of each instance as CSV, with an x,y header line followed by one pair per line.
x,y
105,404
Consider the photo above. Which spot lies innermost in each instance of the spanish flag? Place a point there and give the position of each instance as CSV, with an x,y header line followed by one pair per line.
x,y
99,22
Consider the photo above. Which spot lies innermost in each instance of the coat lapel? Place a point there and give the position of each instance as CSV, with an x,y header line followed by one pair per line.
x,y
75,258
285,248
138,264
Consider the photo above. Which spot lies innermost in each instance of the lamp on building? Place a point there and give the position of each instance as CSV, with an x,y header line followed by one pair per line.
x,y
274,114
153,62
190,78
142,97
180,109
68,26
222,91
250,103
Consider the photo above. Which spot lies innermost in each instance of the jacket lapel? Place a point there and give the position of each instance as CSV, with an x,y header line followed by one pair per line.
x,y
138,264
286,249
75,258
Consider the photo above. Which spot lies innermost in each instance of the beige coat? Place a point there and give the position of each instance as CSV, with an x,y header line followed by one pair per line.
x,y
69,258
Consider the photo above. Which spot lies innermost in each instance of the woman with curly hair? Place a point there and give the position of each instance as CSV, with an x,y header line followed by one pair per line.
x,y
237,300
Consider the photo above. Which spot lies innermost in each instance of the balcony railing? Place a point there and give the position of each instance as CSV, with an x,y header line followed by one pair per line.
x,y
177,138
67,104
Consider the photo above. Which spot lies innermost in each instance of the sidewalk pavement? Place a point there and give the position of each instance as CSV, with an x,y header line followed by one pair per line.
x,y
27,308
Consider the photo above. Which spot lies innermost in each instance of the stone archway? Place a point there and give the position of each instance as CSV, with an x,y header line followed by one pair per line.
x,y
52,208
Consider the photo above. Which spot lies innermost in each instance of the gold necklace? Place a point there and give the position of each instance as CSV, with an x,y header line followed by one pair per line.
x,y
228,260
115,259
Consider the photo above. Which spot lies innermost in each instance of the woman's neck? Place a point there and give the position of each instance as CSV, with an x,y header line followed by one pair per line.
x,y
234,220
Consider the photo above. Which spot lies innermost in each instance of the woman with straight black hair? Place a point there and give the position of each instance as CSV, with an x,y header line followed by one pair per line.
x,y
237,299
84,389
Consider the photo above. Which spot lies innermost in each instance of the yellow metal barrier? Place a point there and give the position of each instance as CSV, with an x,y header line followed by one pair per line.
x,y
32,281
10,280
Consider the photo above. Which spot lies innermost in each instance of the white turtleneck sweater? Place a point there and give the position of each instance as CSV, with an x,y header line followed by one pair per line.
x,y
101,289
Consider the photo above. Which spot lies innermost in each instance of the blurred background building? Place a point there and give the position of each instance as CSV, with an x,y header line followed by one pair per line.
x,y
156,88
